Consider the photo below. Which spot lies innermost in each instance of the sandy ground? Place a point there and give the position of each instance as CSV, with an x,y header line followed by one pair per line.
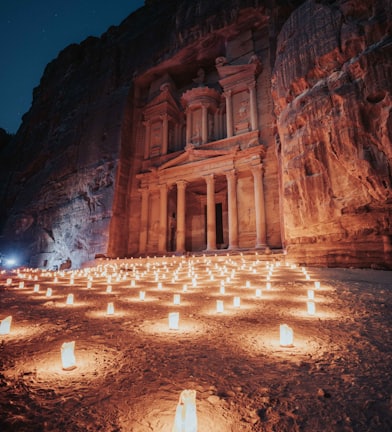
x,y
131,368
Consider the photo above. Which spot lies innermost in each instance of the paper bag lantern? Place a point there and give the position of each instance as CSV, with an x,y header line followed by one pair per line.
x,y
286,336
5,325
110,309
174,318
68,356
186,414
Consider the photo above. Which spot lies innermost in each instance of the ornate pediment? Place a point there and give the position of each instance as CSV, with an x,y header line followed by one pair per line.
x,y
193,154
163,103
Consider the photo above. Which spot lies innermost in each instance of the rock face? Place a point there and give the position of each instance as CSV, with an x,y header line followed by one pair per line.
x,y
68,182
332,92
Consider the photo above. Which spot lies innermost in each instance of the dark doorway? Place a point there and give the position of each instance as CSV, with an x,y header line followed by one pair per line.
x,y
218,224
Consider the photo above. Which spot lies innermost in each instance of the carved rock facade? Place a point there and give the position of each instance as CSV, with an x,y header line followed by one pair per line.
x,y
240,125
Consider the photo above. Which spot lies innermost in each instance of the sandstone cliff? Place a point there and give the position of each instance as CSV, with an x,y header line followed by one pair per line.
x,y
68,176
332,92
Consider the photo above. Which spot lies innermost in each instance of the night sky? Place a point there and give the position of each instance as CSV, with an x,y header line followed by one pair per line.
x,y
33,32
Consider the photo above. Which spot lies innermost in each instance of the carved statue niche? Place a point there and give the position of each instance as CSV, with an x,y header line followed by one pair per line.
x,y
162,121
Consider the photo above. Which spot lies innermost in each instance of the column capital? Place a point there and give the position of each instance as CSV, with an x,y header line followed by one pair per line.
x,y
143,190
181,184
251,86
163,186
231,175
256,169
147,122
209,178
227,94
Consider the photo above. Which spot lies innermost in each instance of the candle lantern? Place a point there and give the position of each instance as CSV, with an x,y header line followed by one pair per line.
x,y
5,325
159,285
317,284
109,289
185,288
70,299
286,336
21,284
258,293
174,318
311,307
68,356
49,292
237,302
142,295
36,288
219,306
133,283
222,289
89,284
268,285
185,419
247,284
176,299
9,281
307,277
310,294
110,309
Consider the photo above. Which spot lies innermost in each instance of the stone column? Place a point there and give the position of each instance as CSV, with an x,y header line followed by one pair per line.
x,y
232,207
229,113
147,139
253,106
204,123
143,220
261,236
180,239
211,216
165,133
188,125
162,242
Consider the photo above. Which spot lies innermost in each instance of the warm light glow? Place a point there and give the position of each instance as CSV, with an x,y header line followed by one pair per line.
x,y
21,284
236,302
49,292
5,325
310,294
222,289
174,318
109,289
186,414
9,281
311,307
36,288
159,285
89,284
219,306
185,288
110,309
142,295
70,299
247,284
286,336
68,356
268,285
317,284
176,299
258,293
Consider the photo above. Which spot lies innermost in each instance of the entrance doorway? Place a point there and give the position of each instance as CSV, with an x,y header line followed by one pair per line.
x,y
218,224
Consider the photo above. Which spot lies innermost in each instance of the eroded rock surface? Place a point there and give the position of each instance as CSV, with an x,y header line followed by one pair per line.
x,y
332,93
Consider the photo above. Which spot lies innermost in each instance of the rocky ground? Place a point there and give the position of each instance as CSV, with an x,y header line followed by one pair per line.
x,y
131,368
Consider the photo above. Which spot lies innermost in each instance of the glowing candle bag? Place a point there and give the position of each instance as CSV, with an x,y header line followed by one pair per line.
x,y
174,318
68,356
5,325
286,336
186,414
